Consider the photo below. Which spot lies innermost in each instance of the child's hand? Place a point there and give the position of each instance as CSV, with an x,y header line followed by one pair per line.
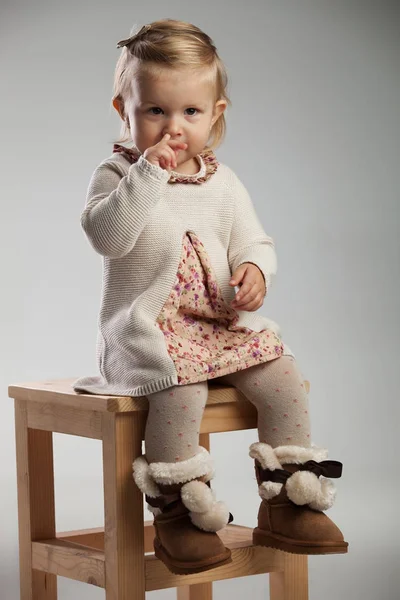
x,y
164,153
252,291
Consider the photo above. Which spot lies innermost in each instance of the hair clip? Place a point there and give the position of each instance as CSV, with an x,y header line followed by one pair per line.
x,y
126,42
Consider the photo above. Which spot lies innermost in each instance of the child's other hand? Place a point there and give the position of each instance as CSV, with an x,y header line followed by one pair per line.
x,y
164,154
251,294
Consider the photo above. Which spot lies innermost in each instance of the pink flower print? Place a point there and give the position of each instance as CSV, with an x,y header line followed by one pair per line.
x,y
198,392
285,415
277,390
269,405
287,372
274,429
180,434
288,438
298,425
256,353
169,422
308,435
188,320
295,400
171,393
176,457
193,420
185,407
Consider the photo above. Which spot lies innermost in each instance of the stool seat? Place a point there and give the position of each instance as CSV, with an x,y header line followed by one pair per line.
x,y
119,557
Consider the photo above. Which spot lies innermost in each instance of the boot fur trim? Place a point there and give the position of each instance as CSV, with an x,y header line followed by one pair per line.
x,y
168,473
304,487
298,455
197,496
142,477
205,512
269,489
213,520
265,455
274,458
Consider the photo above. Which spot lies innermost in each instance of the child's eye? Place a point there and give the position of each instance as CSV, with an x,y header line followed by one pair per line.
x,y
156,108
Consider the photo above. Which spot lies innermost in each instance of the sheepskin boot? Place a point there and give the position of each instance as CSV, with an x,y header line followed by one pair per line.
x,y
186,514
290,516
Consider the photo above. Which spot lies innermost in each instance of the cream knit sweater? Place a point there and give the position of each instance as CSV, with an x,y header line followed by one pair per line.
x,y
136,220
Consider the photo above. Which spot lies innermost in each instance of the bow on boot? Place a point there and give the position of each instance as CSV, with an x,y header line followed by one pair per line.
x,y
304,485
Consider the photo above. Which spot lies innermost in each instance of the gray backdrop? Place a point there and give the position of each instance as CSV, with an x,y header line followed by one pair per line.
x,y
314,134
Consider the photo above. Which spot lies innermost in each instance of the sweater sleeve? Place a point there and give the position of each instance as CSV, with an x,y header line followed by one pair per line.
x,y
248,241
117,208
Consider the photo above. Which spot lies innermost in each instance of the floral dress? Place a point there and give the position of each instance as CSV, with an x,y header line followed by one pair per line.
x,y
199,327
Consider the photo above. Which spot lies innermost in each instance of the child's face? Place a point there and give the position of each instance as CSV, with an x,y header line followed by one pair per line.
x,y
178,103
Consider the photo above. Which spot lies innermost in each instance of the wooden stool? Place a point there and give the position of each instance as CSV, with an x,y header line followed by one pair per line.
x,y
119,557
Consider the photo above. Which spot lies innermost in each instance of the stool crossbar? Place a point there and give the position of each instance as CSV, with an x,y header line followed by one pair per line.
x,y
119,557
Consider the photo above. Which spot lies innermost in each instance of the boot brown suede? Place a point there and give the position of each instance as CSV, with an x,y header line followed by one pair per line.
x,y
290,516
186,515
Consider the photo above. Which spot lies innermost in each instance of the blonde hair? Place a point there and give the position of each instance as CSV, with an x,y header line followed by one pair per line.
x,y
176,45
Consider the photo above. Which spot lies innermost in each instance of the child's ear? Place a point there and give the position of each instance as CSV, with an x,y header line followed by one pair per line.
x,y
219,108
119,107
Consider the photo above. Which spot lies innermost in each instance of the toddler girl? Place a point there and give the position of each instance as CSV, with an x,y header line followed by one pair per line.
x,y
178,231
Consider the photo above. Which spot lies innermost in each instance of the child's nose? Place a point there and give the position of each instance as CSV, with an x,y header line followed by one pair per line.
x,y
174,129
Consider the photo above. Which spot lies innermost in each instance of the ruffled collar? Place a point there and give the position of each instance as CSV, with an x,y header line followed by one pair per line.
x,y
207,159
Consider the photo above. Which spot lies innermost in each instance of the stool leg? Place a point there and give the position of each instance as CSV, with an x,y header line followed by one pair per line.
x,y
198,591
123,508
36,510
292,582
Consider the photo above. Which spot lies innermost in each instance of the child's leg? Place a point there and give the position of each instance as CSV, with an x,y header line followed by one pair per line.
x,y
173,422
277,389
175,475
